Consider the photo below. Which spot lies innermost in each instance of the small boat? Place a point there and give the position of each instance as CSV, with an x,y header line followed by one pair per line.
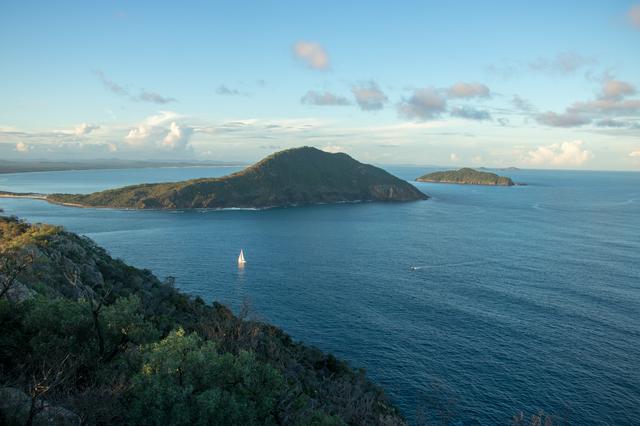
x,y
241,260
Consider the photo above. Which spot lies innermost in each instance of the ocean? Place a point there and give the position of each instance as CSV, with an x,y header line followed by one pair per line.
x,y
476,304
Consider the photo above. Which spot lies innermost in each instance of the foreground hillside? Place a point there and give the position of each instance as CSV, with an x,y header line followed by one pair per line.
x,y
87,339
466,176
291,177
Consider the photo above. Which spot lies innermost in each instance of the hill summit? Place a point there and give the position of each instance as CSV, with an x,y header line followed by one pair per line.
x,y
287,178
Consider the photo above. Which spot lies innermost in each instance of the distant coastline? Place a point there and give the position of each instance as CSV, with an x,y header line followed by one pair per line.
x,y
9,167
34,196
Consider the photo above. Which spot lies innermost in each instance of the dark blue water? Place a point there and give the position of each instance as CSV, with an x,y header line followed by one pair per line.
x,y
524,298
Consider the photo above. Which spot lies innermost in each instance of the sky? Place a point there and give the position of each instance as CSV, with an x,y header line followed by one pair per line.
x,y
542,84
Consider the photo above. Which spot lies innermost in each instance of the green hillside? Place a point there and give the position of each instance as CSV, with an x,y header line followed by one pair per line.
x,y
287,178
88,339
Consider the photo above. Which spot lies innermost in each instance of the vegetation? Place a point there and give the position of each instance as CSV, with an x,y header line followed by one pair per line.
x,y
466,176
291,177
87,339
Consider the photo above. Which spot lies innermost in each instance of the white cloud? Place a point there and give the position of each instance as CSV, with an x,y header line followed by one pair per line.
x,y
454,157
468,90
154,133
635,154
424,104
333,148
616,89
140,135
312,54
563,154
162,117
84,129
177,138
369,96
611,101
22,147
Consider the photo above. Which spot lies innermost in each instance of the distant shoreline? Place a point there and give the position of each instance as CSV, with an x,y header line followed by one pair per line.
x,y
16,168
41,197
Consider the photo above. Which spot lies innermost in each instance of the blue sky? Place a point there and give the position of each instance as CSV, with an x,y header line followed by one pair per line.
x,y
532,84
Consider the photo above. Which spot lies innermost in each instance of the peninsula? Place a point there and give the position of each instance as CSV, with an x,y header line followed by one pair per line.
x,y
292,177
466,176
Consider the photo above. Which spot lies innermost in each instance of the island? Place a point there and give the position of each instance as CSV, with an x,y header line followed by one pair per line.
x,y
87,339
292,177
466,176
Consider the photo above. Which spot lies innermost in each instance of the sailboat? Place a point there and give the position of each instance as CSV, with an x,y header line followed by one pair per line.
x,y
241,260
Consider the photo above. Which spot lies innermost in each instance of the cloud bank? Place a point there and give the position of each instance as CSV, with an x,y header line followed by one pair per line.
x,y
160,131
84,129
611,101
563,154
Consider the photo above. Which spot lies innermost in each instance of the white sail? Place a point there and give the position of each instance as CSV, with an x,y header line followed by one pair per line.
x,y
241,258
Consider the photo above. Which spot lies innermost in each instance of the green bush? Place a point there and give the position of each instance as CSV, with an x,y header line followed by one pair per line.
x,y
185,381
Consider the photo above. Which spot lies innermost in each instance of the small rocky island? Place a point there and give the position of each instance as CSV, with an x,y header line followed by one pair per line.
x,y
466,176
287,178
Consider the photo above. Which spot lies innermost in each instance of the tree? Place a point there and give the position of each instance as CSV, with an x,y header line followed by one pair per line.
x,y
184,381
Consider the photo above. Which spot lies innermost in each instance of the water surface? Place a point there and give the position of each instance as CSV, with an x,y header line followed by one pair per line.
x,y
521,298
